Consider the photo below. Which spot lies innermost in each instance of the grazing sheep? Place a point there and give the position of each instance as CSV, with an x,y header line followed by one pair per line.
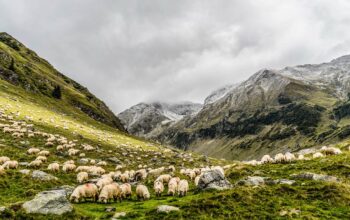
x,y
118,167
171,168
140,175
54,167
88,190
44,153
73,152
173,185
103,181
279,158
317,155
4,159
266,159
68,167
110,191
59,148
301,157
289,157
183,188
124,177
33,150
142,192
165,178
42,158
69,162
2,170
330,150
82,177
126,190
35,163
156,172
158,188
11,164
196,180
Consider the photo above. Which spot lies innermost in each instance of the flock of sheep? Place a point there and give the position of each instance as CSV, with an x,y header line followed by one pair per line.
x,y
289,157
97,184
108,186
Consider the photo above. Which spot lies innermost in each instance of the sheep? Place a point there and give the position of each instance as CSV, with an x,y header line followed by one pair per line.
x,y
126,190
54,167
171,168
289,157
196,180
94,170
3,159
140,175
156,172
103,181
42,158
59,148
173,185
279,158
44,153
49,144
73,152
165,178
82,177
158,187
110,191
88,190
266,159
330,150
35,163
82,169
142,192
2,170
124,177
317,155
69,162
183,188
33,150
118,167
68,167
300,157
11,164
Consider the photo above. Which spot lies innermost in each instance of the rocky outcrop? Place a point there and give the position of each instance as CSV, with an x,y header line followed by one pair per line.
x,y
41,175
316,177
167,208
213,179
49,202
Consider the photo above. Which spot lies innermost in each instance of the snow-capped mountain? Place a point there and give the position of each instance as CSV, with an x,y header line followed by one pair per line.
x,y
272,111
148,119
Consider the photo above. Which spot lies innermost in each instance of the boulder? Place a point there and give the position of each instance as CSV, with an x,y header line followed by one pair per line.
x,y
49,202
114,160
213,179
316,177
167,208
252,181
41,175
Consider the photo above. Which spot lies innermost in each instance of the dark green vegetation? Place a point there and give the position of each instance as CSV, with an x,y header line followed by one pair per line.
x,y
23,67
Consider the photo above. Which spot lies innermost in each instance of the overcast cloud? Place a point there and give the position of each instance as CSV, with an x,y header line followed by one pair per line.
x,y
129,51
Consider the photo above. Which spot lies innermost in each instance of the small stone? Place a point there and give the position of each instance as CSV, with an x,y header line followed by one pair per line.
x,y
167,208
119,214
283,213
252,181
25,172
110,209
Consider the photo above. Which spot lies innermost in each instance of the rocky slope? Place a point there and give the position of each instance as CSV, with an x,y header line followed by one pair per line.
x,y
150,119
22,67
274,110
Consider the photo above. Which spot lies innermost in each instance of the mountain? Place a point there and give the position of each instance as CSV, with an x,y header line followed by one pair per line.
x,y
218,94
272,111
149,119
22,67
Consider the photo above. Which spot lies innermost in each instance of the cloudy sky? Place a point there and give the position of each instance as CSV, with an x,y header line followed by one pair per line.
x,y
131,51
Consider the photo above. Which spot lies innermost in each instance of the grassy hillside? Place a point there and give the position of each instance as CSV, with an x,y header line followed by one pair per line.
x,y
22,67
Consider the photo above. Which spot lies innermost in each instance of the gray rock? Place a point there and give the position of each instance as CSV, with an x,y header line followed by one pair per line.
x,y
114,160
24,164
252,181
2,209
213,179
49,202
110,209
83,161
316,177
67,189
25,172
167,208
41,175
117,215
279,181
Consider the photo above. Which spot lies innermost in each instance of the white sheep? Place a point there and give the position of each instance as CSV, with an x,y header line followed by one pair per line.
x,y
279,158
85,191
158,188
54,167
289,157
330,150
126,190
183,188
164,178
35,163
110,191
142,192
44,153
42,158
11,164
173,185
266,159
196,180
103,181
2,170
3,159
33,150
82,177
317,155
69,167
